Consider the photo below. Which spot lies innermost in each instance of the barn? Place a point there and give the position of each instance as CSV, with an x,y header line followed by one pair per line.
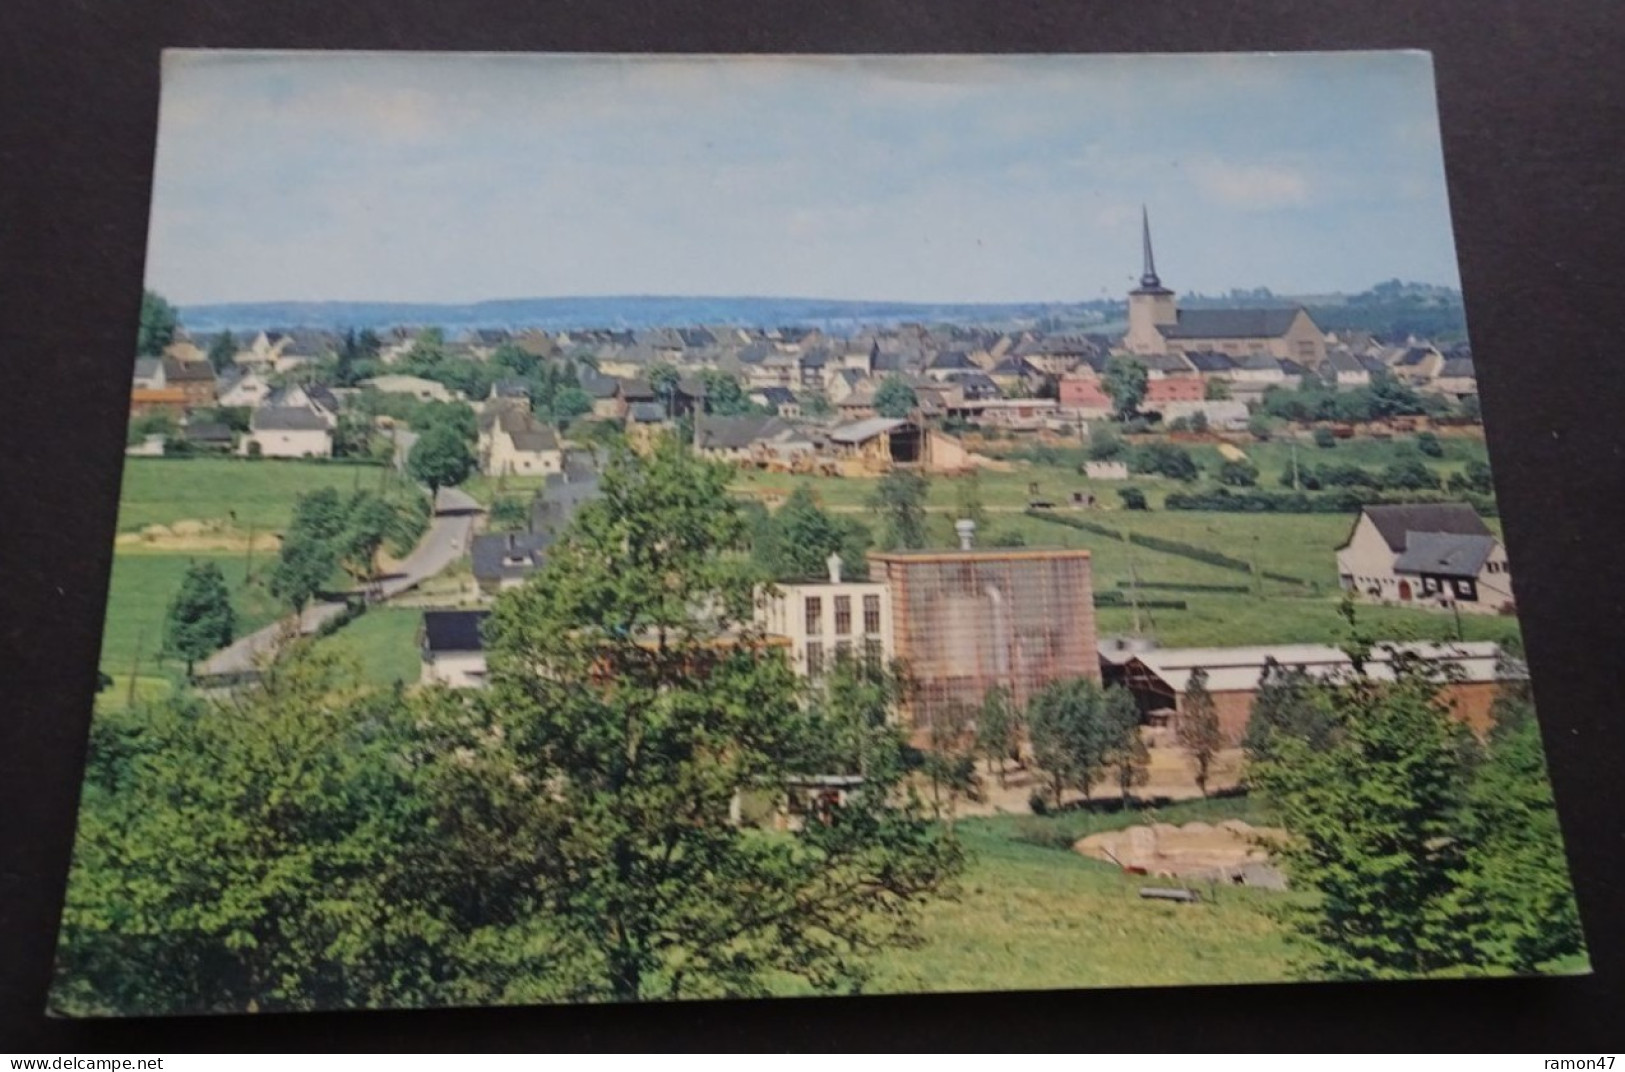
x,y
1158,677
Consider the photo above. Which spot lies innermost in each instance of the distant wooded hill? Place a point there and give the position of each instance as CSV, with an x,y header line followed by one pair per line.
x,y
1391,309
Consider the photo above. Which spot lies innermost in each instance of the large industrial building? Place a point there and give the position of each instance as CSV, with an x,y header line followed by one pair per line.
x,y
966,621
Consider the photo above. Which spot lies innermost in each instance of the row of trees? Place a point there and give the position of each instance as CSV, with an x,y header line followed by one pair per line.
x,y
564,834
331,533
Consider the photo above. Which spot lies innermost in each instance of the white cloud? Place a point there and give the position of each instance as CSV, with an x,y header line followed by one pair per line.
x,y
1250,186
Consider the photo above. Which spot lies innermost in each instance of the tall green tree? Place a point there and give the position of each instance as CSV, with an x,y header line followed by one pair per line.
x,y
441,458
1376,820
222,351
798,538
1066,723
1126,381
899,499
636,698
1198,727
663,380
158,323
894,398
1517,883
1127,760
200,620
998,730
303,567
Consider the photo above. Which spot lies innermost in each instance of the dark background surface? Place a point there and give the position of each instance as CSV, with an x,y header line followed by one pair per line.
x,y
1532,97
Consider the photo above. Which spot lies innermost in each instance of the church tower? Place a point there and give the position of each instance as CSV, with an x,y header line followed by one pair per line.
x,y
1151,304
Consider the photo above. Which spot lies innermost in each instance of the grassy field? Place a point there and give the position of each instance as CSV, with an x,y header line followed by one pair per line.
x,y
1297,545
140,592
161,491
1033,914
384,642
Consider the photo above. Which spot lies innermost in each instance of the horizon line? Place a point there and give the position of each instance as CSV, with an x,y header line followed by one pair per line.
x,y
634,296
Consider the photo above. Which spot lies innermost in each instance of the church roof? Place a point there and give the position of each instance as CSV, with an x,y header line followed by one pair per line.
x,y
1231,323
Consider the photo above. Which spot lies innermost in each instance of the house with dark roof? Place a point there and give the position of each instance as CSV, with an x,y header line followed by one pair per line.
x,y
207,435
287,431
194,379
1433,555
1456,379
1346,371
734,438
781,400
503,560
452,647
1157,325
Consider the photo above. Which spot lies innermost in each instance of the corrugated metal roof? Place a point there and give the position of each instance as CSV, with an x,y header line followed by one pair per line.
x,y
1240,669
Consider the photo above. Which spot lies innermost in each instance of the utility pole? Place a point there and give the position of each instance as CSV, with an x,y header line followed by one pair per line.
x,y
1295,485
248,557
135,666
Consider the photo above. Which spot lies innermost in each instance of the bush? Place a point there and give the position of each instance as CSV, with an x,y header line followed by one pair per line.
x,y
1038,804
1133,499
1324,438
1238,474
1165,459
1429,444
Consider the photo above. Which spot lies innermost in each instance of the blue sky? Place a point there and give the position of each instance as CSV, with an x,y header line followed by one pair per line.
x,y
441,177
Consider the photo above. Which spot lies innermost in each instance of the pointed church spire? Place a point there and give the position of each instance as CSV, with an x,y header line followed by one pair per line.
x,y
1148,280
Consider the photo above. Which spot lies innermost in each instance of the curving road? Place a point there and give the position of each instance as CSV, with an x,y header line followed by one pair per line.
x,y
444,543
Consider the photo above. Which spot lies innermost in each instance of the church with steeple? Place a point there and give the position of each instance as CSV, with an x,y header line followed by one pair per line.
x,y
1156,324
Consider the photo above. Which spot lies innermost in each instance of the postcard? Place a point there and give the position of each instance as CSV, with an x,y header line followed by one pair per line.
x,y
633,528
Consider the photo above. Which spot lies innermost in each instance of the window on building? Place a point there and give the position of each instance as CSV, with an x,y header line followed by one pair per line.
x,y
871,614
873,651
815,615
843,615
843,650
815,659
1306,348
1466,589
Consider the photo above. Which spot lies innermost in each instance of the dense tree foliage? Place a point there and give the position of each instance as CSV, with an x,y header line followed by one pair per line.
x,y
1081,733
631,683
330,532
248,855
899,499
1425,851
441,458
569,833
894,398
222,351
1126,382
1198,729
158,323
200,620
1165,459
795,541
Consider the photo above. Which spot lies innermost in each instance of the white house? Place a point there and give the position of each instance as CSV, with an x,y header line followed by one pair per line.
x,y
288,432
1434,555
828,618
513,443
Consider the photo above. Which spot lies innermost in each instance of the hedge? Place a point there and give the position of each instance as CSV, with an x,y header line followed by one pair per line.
x,y
1341,501
1119,599
1177,586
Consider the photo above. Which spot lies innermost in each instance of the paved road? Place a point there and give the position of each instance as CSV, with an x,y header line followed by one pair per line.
x,y
444,543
